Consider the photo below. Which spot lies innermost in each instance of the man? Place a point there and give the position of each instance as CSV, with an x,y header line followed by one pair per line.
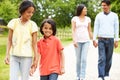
x,y
106,29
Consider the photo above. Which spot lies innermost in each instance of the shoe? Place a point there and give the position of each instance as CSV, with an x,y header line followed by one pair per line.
x,y
107,78
100,79
77,78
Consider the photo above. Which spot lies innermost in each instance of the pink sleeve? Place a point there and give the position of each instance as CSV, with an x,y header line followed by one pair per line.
x,y
73,19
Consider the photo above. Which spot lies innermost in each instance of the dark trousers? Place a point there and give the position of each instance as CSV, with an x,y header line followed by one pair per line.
x,y
105,51
52,76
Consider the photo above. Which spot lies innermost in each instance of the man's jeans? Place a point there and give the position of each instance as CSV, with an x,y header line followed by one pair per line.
x,y
81,58
20,66
105,51
52,76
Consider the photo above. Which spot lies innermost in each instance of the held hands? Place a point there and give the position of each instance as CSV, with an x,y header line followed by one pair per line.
x,y
95,43
33,67
75,45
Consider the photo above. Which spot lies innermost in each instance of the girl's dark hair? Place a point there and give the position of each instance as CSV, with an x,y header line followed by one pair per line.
x,y
79,9
24,6
106,1
53,25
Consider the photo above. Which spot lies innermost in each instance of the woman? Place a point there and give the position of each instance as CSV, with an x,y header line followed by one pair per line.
x,y
81,33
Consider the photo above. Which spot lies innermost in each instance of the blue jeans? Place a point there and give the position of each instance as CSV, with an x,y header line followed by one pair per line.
x,y
105,51
20,66
52,76
81,58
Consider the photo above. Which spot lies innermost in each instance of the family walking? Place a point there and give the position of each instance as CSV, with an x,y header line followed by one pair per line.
x,y
25,52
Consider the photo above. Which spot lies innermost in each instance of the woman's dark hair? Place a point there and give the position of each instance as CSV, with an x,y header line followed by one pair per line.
x,y
52,23
79,9
24,6
106,1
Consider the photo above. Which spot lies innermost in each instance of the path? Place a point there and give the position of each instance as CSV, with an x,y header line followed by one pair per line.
x,y
92,59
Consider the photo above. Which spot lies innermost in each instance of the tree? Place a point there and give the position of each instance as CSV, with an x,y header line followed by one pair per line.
x,y
7,10
115,7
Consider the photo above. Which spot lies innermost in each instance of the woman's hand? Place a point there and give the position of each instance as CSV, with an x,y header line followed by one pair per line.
x,y
75,45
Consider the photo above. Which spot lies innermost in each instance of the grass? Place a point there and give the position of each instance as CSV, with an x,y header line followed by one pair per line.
x,y
4,69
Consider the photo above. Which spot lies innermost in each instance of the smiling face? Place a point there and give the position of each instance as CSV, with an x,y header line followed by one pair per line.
x,y
84,11
47,30
105,7
27,14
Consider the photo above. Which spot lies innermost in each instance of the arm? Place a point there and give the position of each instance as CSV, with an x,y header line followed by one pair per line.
x,y
62,62
35,58
73,32
96,25
9,44
90,31
116,30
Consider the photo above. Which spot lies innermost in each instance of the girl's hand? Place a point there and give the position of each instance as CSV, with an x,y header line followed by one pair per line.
x,y
7,59
32,70
33,67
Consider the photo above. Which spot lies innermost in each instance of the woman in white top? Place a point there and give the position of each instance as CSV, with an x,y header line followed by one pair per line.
x,y
81,33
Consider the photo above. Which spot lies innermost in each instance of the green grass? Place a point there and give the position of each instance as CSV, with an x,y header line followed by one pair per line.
x,y
4,69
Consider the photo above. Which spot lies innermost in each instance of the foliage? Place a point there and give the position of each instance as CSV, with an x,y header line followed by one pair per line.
x,y
7,10
60,10
115,7
4,69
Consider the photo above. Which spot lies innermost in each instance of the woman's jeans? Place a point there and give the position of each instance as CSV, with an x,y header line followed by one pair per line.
x,y
81,58
52,76
20,66
105,51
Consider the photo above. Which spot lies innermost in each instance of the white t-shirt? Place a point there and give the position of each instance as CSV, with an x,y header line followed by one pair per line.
x,y
81,29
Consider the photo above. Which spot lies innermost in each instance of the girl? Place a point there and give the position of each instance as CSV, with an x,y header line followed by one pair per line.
x,y
81,31
51,52
22,43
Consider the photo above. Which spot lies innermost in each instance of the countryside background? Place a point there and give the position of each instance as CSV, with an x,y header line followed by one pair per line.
x,y
60,10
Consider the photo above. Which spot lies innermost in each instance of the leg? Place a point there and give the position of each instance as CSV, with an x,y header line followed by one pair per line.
x,y
44,77
84,52
109,53
78,61
101,58
14,68
25,64
53,76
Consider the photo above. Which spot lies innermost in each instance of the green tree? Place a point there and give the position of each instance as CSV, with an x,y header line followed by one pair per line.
x,y
115,7
7,10
61,10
